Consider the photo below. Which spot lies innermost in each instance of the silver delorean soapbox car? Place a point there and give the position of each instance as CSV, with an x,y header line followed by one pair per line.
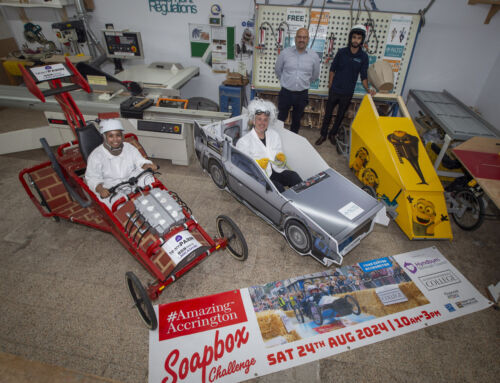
x,y
325,216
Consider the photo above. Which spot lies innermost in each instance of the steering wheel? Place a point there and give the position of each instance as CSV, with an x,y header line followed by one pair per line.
x,y
132,181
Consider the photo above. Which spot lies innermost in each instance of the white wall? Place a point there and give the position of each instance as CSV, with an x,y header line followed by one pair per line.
x,y
454,51
488,102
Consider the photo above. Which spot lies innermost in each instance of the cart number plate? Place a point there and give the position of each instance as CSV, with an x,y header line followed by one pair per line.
x,y
50,72
180,245
351,210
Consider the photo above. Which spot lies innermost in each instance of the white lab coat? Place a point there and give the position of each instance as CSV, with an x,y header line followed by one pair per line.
x,y
251,145
105,168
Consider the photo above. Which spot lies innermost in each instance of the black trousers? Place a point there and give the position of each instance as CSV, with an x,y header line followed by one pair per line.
x,y
285,178
297,100
343,101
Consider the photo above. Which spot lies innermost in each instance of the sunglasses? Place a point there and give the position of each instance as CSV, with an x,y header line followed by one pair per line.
x,y
266,112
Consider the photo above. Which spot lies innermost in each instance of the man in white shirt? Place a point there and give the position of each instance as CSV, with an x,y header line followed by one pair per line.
x,y
264,145
114,161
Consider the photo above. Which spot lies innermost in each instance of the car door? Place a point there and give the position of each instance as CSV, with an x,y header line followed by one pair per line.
x,y
250,183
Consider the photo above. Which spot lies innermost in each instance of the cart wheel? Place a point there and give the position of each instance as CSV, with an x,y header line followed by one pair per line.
x,y
298,236
217,174
298,314
370,190
316,314
141,300
342,144
472,214
353,303
236,244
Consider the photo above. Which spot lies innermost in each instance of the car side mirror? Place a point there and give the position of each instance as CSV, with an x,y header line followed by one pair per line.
x,y
268,187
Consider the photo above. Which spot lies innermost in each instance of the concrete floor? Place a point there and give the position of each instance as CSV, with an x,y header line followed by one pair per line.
x,y
64,301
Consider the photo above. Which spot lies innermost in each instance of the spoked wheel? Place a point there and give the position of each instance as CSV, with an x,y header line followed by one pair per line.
x,y
236,244
141,300
353,304
316,314
217,174
298,314
370,190
343,138
471,210
298,236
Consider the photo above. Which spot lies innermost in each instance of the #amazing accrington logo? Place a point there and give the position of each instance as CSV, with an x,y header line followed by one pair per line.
x,y
200,315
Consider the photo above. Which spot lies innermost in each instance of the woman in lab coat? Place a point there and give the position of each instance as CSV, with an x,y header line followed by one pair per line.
x,y
264,145
113,162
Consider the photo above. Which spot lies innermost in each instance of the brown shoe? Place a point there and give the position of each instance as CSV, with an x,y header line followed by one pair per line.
x,y
333,139
320,140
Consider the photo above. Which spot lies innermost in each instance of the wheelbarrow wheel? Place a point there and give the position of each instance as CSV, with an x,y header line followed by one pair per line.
x,y
316,314
353,304
471,214
236,243
370,190
141,300
342,143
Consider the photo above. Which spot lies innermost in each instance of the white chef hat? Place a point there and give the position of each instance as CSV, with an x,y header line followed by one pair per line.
x,y
109,125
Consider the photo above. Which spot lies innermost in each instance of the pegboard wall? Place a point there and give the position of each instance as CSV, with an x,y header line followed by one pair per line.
x,y
339,25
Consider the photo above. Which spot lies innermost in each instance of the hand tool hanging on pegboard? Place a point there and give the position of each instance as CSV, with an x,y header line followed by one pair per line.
x,y
281,34
331,44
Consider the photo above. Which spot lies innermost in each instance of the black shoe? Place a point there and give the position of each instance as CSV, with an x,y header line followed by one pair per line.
x,y
320,140
333,139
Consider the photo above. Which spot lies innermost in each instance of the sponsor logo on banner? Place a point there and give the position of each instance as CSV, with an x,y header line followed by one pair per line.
x,y
467,302
390,295
201,314
452,294
422,265
439,280
376,264
449,307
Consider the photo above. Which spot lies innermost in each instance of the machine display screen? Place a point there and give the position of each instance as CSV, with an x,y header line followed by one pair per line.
x,y
123,44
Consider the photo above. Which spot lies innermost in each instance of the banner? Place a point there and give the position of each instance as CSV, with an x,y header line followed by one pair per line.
x,y
242,334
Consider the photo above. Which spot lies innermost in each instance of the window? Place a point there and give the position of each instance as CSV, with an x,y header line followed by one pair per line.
x,y
247,165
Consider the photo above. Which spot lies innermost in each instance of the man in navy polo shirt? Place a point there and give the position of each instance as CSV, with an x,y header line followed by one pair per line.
x,y
348,63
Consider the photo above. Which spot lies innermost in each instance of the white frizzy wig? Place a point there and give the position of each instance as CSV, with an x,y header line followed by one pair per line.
x,y
263,105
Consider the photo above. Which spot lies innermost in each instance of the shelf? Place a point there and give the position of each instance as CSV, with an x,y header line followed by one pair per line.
x,y
52,4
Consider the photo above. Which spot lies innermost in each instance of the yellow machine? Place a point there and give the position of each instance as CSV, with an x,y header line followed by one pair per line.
x,y
387,155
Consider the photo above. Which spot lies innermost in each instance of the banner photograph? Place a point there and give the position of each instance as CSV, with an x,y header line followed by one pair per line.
x,y
242,334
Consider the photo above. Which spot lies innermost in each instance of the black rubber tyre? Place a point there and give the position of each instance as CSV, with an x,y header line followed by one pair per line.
x,y
316,314
141,300
298,314
298,236
370,190
356,310
473,216
236,243
217,174
342,144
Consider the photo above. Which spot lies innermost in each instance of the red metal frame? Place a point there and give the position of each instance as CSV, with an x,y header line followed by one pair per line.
x,y
71,162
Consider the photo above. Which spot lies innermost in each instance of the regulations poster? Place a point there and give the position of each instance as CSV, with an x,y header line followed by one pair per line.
x,y
396,41
318,29
242,334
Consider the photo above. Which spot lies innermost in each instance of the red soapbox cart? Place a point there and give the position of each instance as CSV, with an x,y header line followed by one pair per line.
x,y
151,222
